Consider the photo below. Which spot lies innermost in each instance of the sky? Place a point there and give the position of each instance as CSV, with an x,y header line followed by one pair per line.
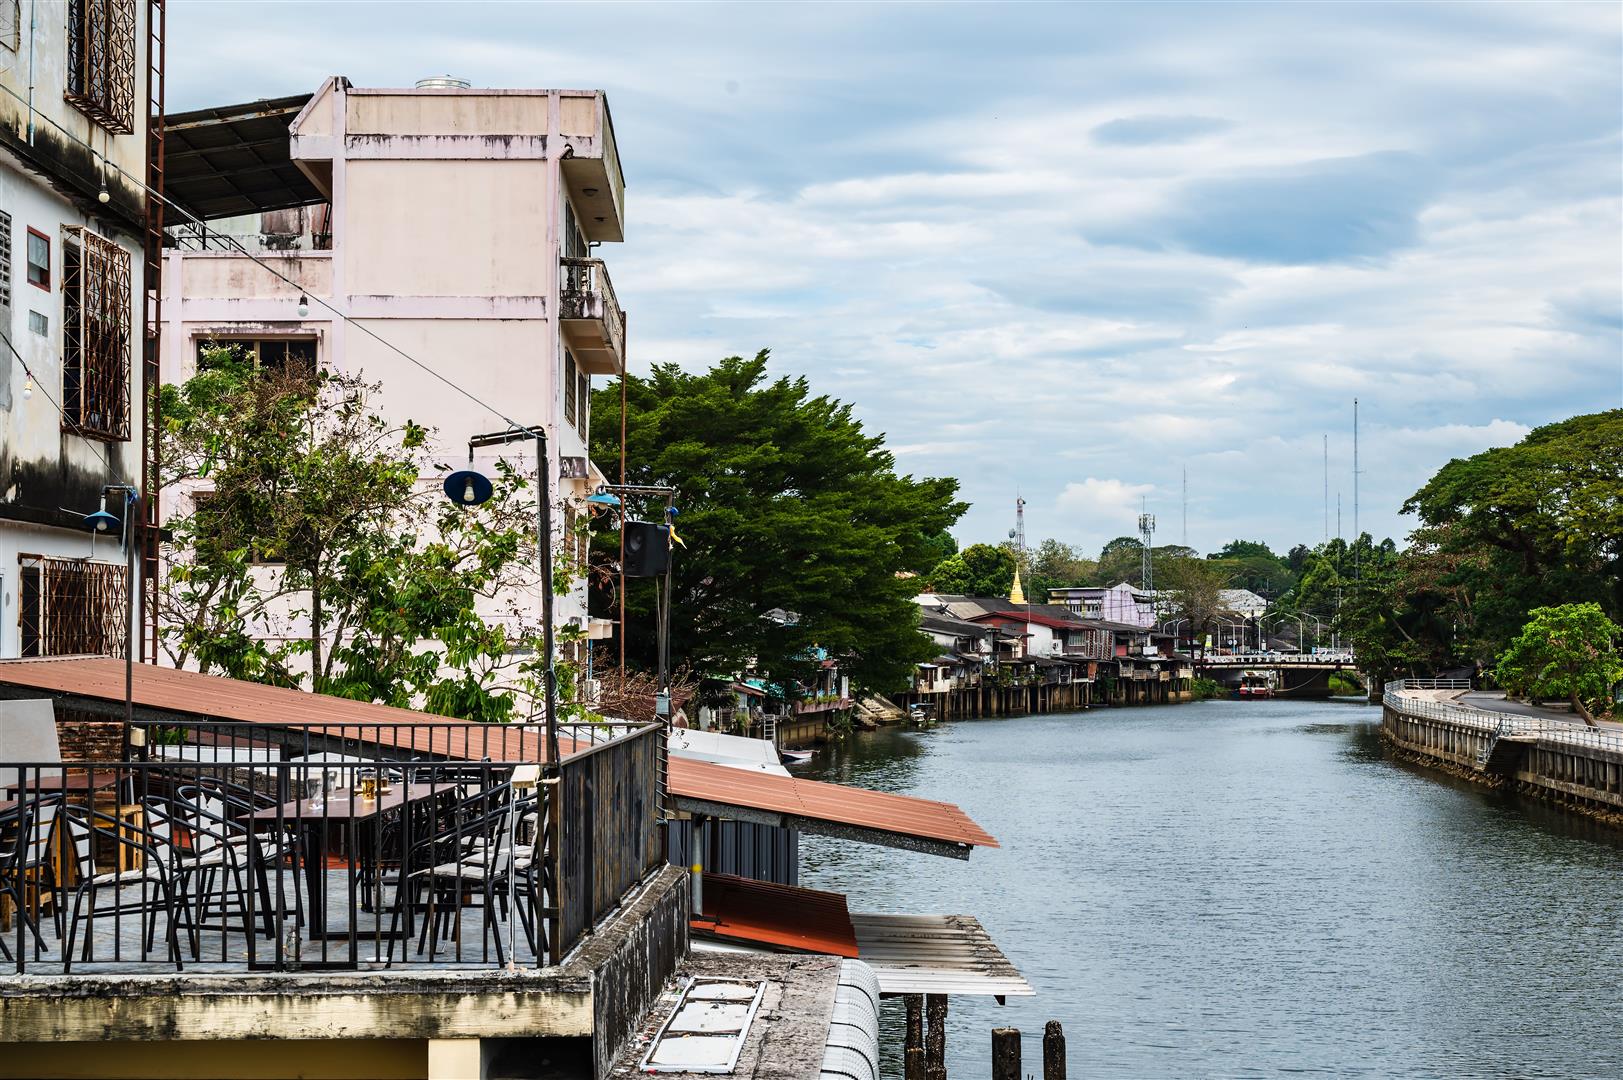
x,y
1079,252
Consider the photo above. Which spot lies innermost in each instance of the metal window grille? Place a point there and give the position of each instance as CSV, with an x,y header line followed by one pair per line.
x,y
571,391
101,62
5,260
96,336
10,24
583,407
71,606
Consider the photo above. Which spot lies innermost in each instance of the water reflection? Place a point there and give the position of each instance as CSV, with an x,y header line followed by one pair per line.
x,y
1250,888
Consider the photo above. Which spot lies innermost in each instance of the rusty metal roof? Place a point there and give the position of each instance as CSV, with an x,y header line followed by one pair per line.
x,y
785,916
698,786
234,159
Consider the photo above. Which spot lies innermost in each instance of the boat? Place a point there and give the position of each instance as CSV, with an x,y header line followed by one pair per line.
x,y
921,713
795,757
1256,684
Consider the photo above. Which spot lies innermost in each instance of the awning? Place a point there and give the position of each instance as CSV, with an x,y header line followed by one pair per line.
x,y
911,954
782,916
936,954
873,817
233,159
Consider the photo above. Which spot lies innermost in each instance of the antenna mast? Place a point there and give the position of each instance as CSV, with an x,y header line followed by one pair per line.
x,y
1186,506
1146,537
1356,533
1327,489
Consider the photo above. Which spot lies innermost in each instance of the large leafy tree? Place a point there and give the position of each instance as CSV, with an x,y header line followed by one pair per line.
x,y
978,570
309,552
785,503
1569,651
1191,589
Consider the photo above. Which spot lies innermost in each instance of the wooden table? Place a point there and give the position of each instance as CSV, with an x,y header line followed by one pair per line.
x,y
347,809
79,783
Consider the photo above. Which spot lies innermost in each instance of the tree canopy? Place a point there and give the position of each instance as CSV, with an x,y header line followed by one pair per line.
x,y
308,550
978,570
785,502
1569,651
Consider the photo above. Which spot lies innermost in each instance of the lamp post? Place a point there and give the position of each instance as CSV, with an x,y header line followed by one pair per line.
x,y
469,487
103,522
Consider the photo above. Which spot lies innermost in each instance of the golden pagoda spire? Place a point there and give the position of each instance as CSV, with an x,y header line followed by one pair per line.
x,y
1017,595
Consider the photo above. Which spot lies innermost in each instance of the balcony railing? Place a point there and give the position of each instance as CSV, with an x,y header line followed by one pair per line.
x,y
229,847
590,315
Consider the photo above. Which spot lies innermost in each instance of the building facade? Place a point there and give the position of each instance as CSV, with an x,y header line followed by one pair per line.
x,y
76,89
445,231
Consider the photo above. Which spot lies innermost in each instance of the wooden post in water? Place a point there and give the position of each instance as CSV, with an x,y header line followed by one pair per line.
x,y
1005,1054
935,1039
913,1045
1053,1051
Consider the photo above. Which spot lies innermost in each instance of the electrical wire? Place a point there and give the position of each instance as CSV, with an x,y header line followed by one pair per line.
x,y
257,261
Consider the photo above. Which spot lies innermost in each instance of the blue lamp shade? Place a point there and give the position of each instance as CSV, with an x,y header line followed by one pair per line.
x,y
101,521
603,498
465,487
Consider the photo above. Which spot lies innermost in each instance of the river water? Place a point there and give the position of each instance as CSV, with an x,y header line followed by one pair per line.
x,y
1249,889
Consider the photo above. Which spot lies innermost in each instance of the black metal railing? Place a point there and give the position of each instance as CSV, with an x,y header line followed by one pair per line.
x,y
586,292
231,846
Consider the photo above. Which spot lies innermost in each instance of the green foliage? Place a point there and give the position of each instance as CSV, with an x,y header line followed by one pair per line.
x,y
786,502
978,570
313,549
1191,589
1205,689
1569,651
1054,565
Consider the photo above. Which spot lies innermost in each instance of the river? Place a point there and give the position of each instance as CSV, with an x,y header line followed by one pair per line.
x,y
1249,889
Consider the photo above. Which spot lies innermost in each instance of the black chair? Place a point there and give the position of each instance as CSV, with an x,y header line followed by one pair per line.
x,y
160,892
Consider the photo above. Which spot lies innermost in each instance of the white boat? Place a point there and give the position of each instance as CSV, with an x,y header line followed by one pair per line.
x,y
795,757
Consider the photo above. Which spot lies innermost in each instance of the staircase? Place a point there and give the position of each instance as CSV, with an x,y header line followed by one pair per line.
x,y
1502,752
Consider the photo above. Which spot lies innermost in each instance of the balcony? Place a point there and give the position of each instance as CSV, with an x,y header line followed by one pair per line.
x,y
593,324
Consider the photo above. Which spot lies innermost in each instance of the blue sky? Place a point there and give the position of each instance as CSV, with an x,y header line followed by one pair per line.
x,y
1076,250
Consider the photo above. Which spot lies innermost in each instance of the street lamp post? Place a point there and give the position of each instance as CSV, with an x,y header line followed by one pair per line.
x,y
103,522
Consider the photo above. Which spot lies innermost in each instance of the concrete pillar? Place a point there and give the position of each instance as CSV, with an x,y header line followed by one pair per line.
x,y
458,1059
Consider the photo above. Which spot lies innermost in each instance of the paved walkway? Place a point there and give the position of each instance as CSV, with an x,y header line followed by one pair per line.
x,y
1493,701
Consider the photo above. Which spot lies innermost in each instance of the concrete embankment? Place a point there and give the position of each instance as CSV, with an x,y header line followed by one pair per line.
x,y
1574,766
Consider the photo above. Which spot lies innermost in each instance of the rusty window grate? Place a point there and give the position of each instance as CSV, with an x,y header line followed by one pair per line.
x,y
5,264
71,606
96,315
571,391
101,62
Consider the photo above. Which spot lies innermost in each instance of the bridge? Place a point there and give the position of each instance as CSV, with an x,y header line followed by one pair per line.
x,y
1297,675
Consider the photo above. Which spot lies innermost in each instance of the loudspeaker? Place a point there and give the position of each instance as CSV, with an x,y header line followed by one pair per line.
x,y
648,549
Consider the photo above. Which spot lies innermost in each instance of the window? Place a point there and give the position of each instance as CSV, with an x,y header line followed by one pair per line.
x,y
270,354
39,324
69,606
96,336
11,12
583,409
571,389
5,260
39,259
101,62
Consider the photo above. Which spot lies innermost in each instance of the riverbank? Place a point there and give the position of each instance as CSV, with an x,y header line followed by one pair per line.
x,y
1567,764
1238,888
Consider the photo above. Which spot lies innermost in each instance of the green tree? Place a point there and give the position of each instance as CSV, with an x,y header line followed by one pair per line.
x,y
1569,651
978,570
1191,589
785,502
310,547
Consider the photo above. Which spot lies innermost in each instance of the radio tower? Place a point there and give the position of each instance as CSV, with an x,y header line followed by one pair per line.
x,y
1146,538
1019,533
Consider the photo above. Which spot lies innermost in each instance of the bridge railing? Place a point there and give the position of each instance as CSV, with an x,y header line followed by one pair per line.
x,y
1398,697
1270,659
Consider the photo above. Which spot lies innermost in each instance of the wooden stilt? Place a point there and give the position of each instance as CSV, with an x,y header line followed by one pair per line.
x,y
935,1039
1005,1054
913,1045
1053,1051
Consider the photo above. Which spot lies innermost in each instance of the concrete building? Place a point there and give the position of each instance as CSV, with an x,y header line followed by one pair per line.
x,y
407,234
75,94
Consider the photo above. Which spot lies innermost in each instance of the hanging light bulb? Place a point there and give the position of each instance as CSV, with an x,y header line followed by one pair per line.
x,y
104,196
28,388
304,305
468,494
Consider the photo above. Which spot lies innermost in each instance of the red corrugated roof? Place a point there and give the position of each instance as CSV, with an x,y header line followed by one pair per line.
x,y
739,909
214,697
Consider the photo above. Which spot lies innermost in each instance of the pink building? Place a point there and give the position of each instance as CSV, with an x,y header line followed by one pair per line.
x,y
454,225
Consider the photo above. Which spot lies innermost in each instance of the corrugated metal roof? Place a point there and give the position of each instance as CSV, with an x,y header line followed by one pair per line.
x,y
802,803
936,954
758,912
234,159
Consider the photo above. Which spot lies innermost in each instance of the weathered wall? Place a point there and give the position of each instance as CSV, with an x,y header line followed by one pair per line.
x,y
632,964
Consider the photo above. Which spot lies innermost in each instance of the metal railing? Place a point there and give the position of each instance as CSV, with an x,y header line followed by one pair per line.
x,y
1397,696
1272,658
244,846
585,292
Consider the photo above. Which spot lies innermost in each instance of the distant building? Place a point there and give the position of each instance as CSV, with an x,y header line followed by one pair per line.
x,y
1122,603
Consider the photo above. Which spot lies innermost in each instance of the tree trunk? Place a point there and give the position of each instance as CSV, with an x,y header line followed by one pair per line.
x,y
1582,710
315,638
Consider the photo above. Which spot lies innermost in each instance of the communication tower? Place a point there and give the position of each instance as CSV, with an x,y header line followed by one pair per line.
x,y
1146,539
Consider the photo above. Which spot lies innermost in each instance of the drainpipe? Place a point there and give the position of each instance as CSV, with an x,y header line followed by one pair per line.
x,y
696,826
31,5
